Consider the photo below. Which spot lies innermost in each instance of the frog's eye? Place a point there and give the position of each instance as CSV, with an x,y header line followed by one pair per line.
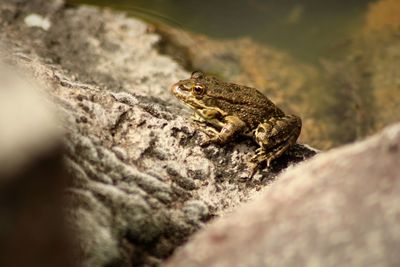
x,y
197,75
198,89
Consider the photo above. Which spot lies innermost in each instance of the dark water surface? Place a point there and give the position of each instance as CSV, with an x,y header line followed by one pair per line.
x,y
307,29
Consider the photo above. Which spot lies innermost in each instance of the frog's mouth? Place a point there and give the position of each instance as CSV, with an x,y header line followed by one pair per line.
x,y
184,94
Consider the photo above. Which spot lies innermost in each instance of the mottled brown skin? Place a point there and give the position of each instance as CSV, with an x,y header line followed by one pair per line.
x,y
225,110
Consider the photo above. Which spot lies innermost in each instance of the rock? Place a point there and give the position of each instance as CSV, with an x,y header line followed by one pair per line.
x,y
32,177
141,184
338,209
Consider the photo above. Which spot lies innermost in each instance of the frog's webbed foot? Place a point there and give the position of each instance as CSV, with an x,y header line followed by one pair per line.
x,y
209,142
211,132
267,157
213,136
255,162
196,119
274,136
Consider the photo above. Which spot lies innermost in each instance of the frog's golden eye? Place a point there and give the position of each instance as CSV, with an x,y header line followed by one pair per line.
x,y
198,89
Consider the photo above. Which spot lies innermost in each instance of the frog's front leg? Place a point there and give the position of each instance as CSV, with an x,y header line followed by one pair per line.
x,y
204,118
274,137
230,127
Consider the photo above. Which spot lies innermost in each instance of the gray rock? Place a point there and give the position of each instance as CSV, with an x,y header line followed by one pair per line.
x,y
340,208
141,184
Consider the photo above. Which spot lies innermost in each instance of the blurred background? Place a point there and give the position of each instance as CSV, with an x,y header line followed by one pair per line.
x,y
306,29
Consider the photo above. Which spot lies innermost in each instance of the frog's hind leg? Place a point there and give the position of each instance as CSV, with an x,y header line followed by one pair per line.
x,y
275,136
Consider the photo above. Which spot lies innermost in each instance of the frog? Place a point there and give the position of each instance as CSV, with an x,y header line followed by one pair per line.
x,y
226,110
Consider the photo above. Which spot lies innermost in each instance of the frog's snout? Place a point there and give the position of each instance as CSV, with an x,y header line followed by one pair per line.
x,y
179,90
174,88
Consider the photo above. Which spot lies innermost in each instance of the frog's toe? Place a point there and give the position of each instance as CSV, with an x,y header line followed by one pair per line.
x,y
259,150
260,156
205,143
209,141
252,170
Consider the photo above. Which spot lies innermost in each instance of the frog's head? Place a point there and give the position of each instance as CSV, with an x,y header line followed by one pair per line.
x,y
193,91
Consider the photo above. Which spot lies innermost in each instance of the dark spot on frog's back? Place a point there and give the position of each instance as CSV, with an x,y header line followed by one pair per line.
x,y
228,89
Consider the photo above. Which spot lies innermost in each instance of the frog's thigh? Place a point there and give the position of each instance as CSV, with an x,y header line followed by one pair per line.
x,y
278,130
276,135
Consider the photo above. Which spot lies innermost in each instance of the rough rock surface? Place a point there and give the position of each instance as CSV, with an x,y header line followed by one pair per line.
x,y
140,182
340,208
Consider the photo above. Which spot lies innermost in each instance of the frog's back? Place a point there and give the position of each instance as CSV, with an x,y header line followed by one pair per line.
x,y
247,103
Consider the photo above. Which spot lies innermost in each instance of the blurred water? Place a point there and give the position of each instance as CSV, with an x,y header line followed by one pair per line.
x,y
307,29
